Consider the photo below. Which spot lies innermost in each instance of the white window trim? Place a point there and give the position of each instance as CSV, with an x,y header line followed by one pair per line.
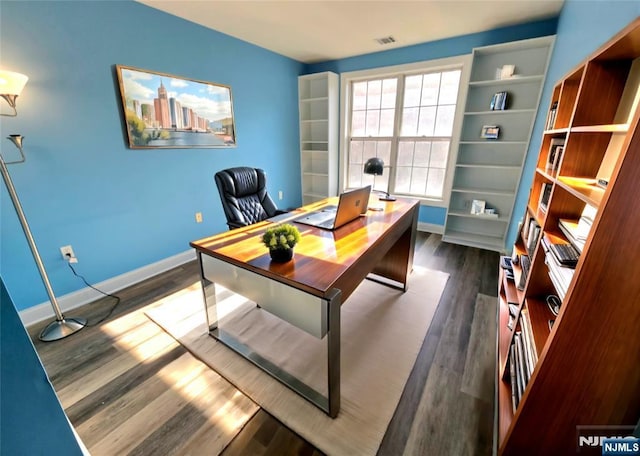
x,y
462,62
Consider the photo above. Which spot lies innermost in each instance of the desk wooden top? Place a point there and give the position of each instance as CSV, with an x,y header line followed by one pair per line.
x,y
321,257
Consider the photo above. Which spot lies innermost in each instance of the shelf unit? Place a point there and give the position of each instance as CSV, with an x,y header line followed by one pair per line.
x,y
318,106
587,371
489,169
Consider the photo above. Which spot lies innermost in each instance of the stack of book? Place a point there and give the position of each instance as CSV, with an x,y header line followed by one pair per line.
x,y
577,231
561,258
522,358
556,148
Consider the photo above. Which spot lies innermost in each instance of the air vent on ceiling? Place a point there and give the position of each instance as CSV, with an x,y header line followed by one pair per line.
x,y
386,40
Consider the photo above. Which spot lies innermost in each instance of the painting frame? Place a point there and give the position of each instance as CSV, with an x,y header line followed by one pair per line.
x,y
490,132
165,111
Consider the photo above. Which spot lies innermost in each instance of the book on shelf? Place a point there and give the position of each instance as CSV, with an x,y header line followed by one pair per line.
x,y
521,373
530,353
532,239
525,228
570,229
525,265
513,314
560,275
578,230
556,161
498,101
545,194
556,148
512,375
551,118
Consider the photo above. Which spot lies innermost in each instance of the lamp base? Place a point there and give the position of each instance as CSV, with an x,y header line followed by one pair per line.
x,y
59,329
386,198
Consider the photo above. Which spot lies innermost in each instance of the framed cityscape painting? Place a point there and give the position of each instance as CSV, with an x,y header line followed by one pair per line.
x,y
161,110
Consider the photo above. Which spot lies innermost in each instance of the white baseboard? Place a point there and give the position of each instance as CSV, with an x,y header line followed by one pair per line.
x,y
430,228
73,300
86,295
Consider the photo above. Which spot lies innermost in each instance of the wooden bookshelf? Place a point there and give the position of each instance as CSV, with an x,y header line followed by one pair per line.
x,y
588,370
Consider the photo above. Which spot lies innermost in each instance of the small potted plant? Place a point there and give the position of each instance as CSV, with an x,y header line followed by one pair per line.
x,y
280,241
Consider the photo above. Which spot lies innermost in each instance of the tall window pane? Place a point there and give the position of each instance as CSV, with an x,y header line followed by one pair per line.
x,y
413,145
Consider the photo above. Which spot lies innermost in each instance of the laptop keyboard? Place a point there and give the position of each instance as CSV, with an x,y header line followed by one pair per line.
x,y
321,218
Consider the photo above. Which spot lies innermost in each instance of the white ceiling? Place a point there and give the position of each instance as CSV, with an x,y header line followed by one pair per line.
x,y
318,30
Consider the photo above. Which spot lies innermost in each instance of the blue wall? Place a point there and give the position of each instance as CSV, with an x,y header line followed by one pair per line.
x,y
583,27
121,208
33,422
450,47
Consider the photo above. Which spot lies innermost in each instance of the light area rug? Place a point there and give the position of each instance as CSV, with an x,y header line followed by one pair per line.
x,y
382,330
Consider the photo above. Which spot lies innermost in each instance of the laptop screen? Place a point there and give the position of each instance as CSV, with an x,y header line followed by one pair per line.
x,y
351,205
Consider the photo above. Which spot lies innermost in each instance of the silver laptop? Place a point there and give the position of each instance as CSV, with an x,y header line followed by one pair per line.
x,y
350,206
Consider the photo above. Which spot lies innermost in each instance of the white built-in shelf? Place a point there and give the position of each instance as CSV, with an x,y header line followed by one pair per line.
x,y
318,107
489,170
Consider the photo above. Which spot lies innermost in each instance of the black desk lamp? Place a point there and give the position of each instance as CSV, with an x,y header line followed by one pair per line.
x,y
375,167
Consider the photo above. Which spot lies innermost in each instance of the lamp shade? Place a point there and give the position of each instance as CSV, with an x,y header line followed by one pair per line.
x,y
12,83
374,166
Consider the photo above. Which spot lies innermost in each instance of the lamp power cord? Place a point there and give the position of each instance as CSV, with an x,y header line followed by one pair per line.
x,y
116,297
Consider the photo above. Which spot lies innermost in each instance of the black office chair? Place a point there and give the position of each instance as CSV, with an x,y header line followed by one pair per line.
x,y
243,192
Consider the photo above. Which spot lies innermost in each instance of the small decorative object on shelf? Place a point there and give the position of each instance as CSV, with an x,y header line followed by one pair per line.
x,y
280,241
490,212
490,132
499,101
505,71
477,207
554,303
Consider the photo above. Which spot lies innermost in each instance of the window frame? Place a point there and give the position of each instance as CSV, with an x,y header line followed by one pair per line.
x,y
462,62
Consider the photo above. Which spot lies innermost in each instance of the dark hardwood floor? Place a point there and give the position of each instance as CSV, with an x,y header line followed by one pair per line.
x,y
126,385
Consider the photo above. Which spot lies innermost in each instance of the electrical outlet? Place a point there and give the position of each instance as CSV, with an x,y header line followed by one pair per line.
x,y
67,254
280,194
198,217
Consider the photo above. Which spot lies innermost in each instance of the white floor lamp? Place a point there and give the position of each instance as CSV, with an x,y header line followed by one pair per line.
x,y
11,85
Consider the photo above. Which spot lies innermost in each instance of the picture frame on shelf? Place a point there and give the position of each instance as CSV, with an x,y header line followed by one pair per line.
x,y
490,132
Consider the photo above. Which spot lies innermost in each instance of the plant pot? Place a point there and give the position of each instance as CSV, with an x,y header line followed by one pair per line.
x,y
281,255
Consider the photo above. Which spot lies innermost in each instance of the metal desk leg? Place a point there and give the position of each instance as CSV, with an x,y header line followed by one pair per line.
x,y
333,342
209,295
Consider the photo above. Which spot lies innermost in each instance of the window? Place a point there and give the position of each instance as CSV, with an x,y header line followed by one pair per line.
x,y
408,120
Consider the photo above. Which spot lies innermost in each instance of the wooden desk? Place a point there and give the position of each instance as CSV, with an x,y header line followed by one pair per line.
x,y
308,291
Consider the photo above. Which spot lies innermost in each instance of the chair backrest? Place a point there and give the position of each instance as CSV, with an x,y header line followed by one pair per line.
x,y
243,192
